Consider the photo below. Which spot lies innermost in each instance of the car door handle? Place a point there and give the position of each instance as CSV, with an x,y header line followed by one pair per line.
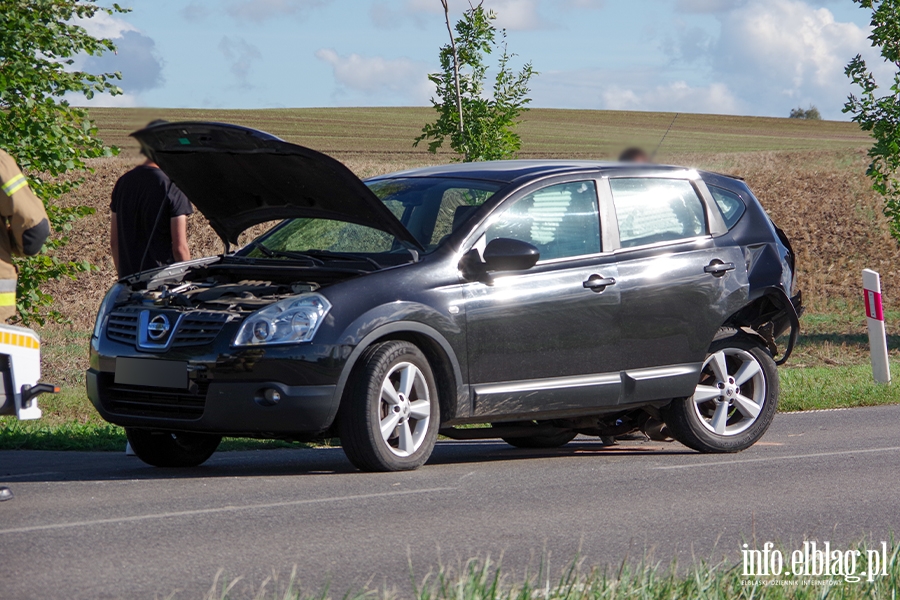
x,y
598,283
717,268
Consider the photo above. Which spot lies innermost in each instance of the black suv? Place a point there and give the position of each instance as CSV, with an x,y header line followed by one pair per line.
x,y
541,299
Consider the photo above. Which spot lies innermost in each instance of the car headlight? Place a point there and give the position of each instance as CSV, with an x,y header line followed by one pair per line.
x,y
288,321
103,312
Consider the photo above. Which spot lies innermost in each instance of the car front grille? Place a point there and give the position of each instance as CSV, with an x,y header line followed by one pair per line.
x,y
123,326
198,328
194,328
144,401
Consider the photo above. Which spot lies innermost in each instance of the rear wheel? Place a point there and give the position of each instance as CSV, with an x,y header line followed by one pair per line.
x,y
734,402
389,421
170,449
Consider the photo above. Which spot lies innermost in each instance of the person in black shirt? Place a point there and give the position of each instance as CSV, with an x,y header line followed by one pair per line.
x,y
149,220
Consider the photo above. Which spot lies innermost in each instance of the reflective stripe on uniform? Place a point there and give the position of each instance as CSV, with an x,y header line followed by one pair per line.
x,y
7,285
17,339
14,185
7,298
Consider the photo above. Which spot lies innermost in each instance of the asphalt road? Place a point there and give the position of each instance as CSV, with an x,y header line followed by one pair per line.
x,y
103,525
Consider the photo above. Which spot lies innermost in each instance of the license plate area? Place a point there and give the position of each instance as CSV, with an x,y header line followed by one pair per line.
x,y
152,373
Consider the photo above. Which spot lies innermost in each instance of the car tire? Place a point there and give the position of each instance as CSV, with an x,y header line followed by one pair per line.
x,y
734,402
389,420
171,449
555,440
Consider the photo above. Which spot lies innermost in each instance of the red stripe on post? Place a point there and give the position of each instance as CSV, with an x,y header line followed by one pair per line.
x,y
873,306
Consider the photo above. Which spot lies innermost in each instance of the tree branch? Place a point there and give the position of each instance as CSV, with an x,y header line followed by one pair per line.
x,y
459,106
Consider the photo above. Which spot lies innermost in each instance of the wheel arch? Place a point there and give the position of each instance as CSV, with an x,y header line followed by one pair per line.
x,y
452,394
768,315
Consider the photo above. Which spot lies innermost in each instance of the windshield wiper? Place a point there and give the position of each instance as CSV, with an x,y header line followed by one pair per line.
x,y
326,254
270,253
316,256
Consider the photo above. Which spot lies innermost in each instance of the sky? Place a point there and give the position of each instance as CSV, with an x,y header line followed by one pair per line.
x,y
745,57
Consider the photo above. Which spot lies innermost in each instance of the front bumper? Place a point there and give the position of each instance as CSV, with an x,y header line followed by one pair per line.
x,y
225,408
227,391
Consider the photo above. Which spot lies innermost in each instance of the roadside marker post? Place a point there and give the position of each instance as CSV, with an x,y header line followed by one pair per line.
x,y
875,318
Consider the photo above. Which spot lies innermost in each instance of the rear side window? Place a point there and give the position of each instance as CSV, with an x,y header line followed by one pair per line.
x,y
560,220
730,204
651,210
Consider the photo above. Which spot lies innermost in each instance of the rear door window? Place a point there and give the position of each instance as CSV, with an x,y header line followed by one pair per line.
x,y
653,210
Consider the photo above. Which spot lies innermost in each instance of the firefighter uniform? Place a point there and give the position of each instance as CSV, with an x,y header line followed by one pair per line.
x,y
26,228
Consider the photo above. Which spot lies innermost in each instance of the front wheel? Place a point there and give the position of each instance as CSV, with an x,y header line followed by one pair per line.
x,y
389,420
170,449
734,402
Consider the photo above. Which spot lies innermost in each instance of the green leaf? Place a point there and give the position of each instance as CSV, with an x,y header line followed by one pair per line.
x,y
880,115
486,130
48,137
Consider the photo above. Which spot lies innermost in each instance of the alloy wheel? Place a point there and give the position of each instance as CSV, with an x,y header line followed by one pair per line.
x,y
405,409
731,392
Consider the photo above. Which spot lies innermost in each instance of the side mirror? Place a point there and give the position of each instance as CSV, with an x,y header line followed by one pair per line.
x,y
505,254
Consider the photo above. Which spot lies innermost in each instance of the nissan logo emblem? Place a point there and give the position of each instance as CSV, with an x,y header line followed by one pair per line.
x,y
158,327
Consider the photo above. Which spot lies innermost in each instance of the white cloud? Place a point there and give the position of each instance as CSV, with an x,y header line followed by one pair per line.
x,y
241,55
263,10
584,4
707,6
514,15
135,58
194,11
368,75
781,53
385,17
125,100
773,54
677,96
518,15
104,25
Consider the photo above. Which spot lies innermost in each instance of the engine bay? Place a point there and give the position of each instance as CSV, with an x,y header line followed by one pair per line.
x,y
241,296
235,288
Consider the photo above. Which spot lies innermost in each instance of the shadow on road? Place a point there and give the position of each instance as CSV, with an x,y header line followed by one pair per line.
x,y
43,466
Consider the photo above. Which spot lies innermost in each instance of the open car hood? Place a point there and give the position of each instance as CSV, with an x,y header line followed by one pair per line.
x,y
239,177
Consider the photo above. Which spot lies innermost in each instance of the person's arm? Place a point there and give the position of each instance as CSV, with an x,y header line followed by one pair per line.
x,y
114,240
26,220
179,239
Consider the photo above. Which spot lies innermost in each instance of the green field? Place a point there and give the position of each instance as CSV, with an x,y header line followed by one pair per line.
x,y
545,132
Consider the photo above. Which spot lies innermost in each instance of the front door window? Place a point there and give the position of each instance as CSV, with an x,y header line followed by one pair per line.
x,y
562,221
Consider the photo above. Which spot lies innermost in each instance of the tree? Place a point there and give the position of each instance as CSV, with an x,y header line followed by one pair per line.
x,y
40,41
810,114
881,114
479,127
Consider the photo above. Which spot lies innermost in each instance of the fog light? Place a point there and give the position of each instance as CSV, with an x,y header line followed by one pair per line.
x,y
267,397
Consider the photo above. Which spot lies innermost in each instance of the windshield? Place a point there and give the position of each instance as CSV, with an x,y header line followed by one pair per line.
x,y
429,207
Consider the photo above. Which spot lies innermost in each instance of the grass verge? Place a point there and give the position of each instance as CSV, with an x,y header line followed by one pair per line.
x,y
815,388
482,580
34,435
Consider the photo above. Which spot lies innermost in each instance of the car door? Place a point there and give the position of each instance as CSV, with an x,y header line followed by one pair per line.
x,y
540,341
677,285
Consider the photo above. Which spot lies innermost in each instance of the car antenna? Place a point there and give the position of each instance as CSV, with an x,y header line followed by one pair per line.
x,y
653,156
